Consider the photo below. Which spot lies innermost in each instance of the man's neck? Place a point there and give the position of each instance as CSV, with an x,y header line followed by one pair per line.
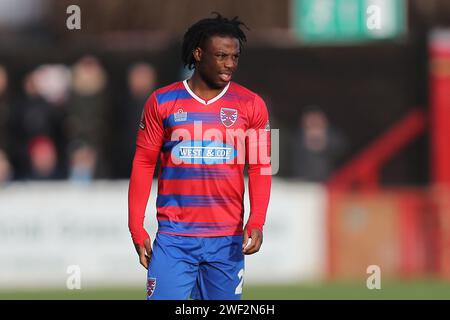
x,y
201,88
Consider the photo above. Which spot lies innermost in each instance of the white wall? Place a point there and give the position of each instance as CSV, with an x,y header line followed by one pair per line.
x,y
46,227
294,236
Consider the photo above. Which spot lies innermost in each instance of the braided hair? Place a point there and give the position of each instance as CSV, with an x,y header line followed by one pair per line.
x,y
202,30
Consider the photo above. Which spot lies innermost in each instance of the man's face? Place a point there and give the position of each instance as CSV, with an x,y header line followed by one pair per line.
x,y
217,61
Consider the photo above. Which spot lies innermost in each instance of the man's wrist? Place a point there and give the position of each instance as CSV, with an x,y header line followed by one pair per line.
x,y
251,227
140,239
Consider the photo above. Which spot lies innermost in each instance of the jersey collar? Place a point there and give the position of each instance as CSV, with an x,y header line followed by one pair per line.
x,y
210,101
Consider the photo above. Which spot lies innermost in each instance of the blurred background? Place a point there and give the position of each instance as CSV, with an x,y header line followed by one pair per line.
x,y
359,89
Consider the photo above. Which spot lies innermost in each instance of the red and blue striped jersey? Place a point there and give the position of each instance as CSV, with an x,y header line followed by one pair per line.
x,y
203,147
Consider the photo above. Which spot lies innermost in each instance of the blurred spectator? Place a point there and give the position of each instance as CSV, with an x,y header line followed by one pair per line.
x,y
88,116
4,109
318,147
31,117
36,114
52,82
142,79
5,168
43,160
83,159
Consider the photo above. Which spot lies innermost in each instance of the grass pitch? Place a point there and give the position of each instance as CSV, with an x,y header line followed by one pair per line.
x,y
393,290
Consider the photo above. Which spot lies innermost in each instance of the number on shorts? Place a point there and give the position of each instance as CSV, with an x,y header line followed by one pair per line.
x,y
241,282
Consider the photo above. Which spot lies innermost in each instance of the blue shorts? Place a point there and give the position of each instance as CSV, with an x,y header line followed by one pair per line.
x,y
201,268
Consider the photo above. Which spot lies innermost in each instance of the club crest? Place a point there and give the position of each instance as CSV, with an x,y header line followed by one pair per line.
x,y
228,116
151,284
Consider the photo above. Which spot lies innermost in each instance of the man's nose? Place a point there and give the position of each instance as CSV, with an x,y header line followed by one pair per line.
x,y
230,63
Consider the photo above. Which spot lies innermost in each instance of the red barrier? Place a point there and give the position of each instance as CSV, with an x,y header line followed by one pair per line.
x,y
440,106
363,170
419,218
404,231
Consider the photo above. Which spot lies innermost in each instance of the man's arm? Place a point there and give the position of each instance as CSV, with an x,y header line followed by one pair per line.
x,y
148,145
259,193
144,163
259,177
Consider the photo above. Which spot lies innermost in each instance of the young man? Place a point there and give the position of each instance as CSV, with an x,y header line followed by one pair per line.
x,y
204,130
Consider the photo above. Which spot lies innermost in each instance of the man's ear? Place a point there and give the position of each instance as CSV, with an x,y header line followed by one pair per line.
x,y
197,53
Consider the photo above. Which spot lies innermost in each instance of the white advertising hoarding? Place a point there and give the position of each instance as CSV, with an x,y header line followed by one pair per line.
x,y
47,227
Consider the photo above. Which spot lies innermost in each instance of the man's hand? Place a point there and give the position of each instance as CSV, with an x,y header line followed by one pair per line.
x,y
256,242
144,253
